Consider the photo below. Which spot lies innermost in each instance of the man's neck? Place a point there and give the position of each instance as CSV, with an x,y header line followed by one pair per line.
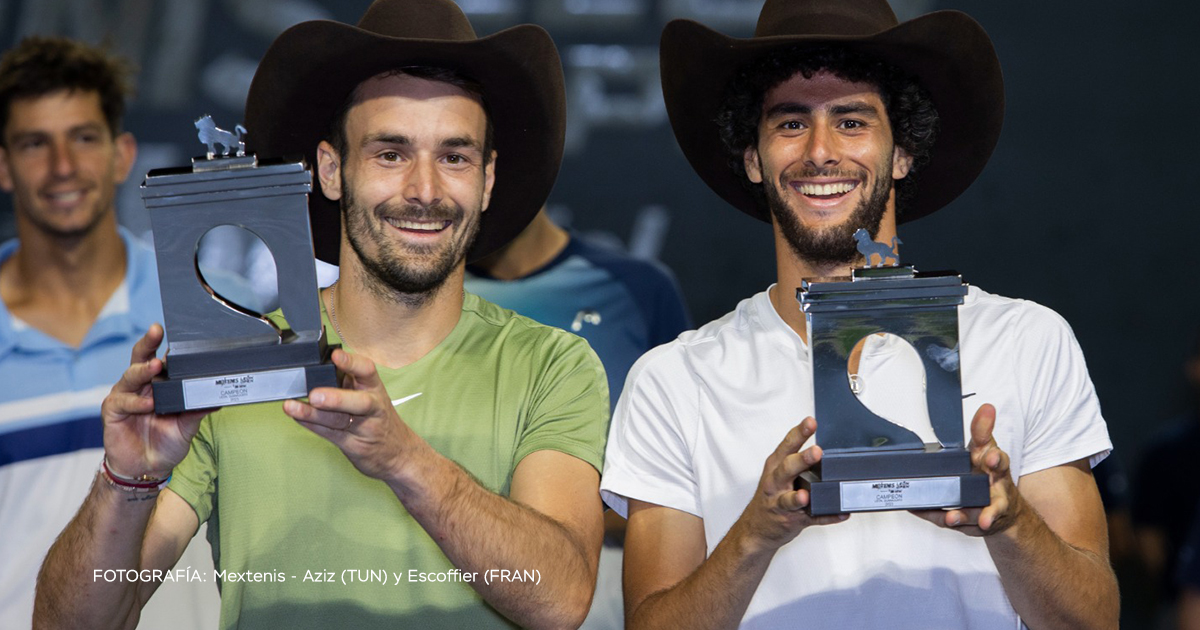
x,y
531,250
391,329
59,285
791,270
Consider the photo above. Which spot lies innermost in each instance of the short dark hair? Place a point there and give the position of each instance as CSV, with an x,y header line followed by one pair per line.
x,y
336,135
40,65
910,109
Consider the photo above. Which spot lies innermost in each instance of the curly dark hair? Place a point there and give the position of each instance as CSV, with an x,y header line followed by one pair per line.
x,y
910,109
40,65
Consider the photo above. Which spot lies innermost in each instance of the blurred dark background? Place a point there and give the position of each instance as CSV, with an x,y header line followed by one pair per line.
x,y
1084,206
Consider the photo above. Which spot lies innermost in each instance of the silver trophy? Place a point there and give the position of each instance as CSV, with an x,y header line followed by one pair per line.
x,y
219,353
869,462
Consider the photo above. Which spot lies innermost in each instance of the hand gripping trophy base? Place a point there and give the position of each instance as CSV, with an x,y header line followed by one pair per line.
x,y
254,375
931,478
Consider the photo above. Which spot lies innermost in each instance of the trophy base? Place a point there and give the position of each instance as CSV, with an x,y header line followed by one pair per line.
x,y
242,387
876,495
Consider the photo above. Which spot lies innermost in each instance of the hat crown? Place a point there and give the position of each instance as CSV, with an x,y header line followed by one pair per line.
x,y
417,19
825,17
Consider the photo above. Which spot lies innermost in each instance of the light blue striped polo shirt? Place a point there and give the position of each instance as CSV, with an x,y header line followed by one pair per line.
x,y
50,435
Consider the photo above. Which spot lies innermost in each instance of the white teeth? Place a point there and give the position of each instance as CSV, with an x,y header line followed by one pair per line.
x,y
66,197
827,189
428,226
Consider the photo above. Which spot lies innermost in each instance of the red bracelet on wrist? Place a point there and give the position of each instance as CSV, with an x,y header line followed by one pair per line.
x,y
142,485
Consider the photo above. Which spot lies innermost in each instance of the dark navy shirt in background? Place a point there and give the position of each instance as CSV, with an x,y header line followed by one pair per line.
x,y
622,305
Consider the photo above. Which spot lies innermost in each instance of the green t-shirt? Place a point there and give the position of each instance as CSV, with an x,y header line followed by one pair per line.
x,y
286,504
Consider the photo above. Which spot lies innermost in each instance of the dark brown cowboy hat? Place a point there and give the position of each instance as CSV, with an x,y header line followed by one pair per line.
x,y
310,70
947,51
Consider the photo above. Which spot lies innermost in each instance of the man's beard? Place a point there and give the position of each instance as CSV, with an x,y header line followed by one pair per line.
x,y
835,244
414,282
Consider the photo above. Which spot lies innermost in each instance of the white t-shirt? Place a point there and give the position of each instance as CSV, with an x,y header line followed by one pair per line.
x,y
699,416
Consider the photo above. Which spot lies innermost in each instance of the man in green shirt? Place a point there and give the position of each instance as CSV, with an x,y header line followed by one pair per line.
x,y
452,480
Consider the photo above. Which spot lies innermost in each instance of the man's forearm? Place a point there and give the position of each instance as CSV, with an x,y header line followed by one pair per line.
x,y
715,596
479,530
717,591
1050,583
105,534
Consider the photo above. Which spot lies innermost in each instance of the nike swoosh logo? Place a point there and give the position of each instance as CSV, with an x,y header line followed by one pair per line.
x,y
401,401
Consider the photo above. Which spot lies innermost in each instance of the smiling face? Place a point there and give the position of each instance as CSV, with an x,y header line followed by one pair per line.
x,y
62,163
827,162
412,182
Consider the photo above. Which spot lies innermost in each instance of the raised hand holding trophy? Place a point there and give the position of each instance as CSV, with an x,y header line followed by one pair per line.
x,y
218,353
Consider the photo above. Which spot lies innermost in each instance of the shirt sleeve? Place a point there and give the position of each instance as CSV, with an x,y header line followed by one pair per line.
x,y
649,457
1064,420
195,478
569,406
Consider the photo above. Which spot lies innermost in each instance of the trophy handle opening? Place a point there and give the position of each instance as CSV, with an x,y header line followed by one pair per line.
x,y
885,374
235,266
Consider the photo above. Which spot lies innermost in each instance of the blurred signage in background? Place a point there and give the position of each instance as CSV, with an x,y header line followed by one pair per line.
x,y
623,179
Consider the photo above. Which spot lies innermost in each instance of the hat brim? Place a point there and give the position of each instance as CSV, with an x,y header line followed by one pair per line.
x,y
310,69
947,51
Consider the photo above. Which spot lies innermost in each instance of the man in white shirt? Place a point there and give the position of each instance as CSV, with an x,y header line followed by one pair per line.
x,y
835,118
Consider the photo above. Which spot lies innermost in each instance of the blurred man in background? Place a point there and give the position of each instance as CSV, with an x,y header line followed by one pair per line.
x,y
77,291
622,305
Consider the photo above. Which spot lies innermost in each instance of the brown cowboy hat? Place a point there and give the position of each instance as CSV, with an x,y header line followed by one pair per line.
x,y
947,51
310,69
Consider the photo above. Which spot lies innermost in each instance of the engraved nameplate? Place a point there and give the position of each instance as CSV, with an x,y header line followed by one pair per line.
x,y
900,494
228,389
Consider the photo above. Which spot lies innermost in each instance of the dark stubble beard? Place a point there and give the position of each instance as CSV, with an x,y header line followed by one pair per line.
x,y
833,245
388,274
